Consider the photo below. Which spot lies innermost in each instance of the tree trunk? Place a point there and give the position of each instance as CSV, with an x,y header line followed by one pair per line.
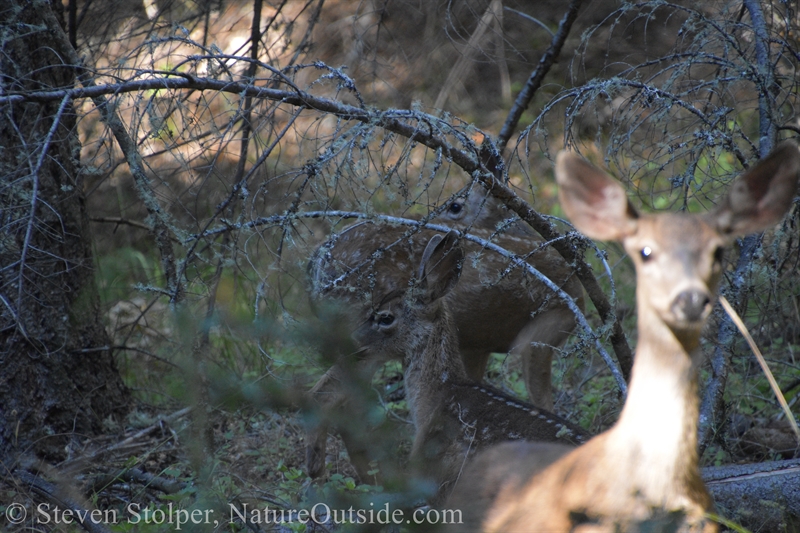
x,y
58,380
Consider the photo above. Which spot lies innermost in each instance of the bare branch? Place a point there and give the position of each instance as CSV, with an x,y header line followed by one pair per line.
x,y
525,96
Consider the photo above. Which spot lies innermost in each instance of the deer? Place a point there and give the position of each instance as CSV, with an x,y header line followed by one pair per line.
x,y
491,313
529,326
645,468
453,416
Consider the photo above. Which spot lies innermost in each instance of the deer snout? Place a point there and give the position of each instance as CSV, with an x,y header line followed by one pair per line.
x,y
691,305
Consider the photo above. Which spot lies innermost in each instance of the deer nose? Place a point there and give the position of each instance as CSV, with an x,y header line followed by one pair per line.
x,y
690,305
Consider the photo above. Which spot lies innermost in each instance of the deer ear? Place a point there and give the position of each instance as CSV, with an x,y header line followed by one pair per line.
x,y
761,196
440,266
593,201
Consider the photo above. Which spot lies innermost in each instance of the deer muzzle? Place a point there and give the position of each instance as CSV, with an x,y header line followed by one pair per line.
x,y
692,305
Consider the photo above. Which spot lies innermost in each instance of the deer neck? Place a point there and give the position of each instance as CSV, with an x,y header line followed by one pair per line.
x,y
657,428
432,360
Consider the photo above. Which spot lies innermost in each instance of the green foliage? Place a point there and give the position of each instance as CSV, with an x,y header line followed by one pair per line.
x,y
507,374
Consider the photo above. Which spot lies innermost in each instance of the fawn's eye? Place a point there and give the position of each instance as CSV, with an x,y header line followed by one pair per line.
x,y
719,253
455,208
646,253
383,319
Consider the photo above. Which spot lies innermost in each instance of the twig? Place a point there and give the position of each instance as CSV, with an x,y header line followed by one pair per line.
x,y
311,25
146,431
129,349
535,79
35,197
137,475
128,222
460,68
530,18
235,191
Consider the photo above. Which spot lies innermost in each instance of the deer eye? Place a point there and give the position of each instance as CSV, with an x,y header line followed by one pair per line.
x,y
383,319
646,253
455,208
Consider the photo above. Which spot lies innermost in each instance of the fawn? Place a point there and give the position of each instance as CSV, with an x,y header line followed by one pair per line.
x,y
477,208
452,416
498,316
643,473
491,313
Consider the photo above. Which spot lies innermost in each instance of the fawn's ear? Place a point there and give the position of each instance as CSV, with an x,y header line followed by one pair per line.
x,y
593,201
761,196
440,266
